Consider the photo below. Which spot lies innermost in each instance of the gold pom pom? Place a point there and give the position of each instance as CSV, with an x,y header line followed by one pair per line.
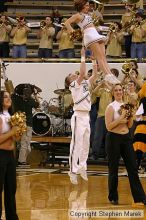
x,y
76,35
129,109
19,120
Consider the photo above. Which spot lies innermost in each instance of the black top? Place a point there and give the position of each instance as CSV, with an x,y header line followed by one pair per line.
x,y
23,105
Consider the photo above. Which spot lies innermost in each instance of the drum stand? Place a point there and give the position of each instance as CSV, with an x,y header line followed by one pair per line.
x,y
62,130
64,126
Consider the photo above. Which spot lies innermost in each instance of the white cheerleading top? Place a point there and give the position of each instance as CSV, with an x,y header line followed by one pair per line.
x,y
81,95
85,21
90,33
116,106
5,116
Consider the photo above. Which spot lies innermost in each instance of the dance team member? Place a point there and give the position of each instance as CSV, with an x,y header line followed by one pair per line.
x,y
119,144
7,159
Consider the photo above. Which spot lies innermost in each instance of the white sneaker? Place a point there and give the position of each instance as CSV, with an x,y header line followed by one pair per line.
x,y
83,174
73,178
111,79
141,170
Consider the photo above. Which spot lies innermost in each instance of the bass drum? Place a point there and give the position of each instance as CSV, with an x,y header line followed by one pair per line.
x,y
41,124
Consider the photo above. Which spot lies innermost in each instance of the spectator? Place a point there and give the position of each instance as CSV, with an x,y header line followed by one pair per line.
x,y
57,18
115,72
66,45
103,91
115,40
134,76
94,104
46,34
19,35
138,31
24,101
2,6
5,29
127,18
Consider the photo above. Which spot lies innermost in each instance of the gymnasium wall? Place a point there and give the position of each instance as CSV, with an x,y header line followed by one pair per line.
x,y
50,76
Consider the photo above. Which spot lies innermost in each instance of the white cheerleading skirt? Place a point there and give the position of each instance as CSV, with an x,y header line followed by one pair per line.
x,y
91,36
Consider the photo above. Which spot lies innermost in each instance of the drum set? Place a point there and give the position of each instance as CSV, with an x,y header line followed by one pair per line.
x,y
53,118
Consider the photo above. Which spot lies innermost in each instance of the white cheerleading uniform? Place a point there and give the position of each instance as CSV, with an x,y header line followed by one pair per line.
x,y
79,146
90,33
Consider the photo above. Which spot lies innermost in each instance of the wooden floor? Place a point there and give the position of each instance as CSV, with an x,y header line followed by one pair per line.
x,y
46,194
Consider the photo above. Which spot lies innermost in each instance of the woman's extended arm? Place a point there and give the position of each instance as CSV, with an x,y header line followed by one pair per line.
x,y
82,67
73,19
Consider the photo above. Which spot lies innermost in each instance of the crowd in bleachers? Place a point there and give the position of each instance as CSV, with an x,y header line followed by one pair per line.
x,y
47,34
128,35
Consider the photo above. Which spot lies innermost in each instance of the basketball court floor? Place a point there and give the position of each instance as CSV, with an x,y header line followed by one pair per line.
x,y
47,194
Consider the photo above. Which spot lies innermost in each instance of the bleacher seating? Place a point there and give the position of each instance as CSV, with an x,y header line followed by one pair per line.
x,y
36,10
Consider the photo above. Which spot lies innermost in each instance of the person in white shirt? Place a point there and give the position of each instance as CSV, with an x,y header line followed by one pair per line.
x,y
119,143
79,147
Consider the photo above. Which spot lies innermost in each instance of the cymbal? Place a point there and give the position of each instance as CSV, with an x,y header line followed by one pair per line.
x,y
62,91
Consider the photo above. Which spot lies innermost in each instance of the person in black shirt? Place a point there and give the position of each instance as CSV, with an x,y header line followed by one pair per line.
x,y
24,101
57,19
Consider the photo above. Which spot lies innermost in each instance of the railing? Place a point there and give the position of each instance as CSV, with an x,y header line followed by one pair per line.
x,y
62,60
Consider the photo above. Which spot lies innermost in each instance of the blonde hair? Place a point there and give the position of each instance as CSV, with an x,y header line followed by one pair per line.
x,y
67,82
